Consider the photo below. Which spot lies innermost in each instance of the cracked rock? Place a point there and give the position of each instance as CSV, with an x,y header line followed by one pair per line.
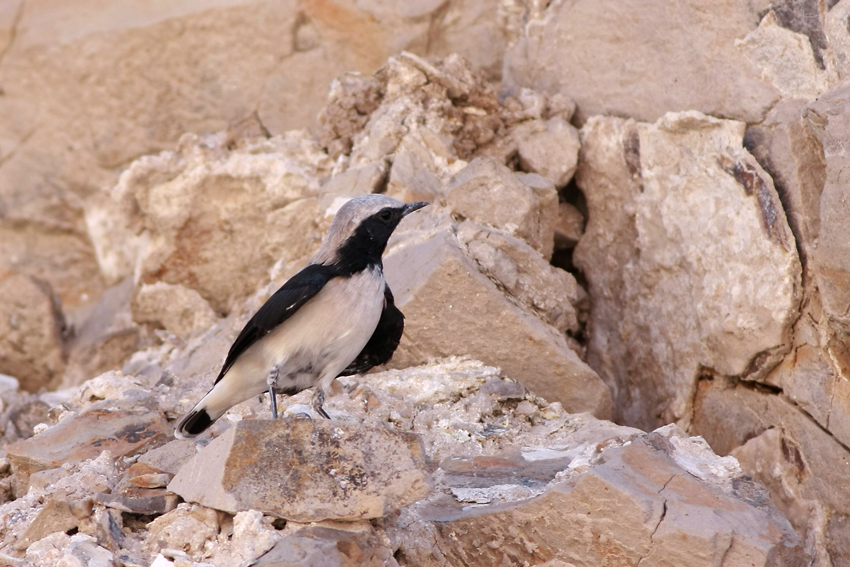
x,y
690,263
330,470
432,276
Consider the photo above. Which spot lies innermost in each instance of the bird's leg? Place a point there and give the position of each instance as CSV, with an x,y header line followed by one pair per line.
x,y
271,380
318,400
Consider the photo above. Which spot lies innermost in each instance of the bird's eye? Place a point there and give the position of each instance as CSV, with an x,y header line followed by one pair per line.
x,y
385,215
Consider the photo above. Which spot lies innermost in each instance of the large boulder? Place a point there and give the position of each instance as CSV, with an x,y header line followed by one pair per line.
x,y
692,268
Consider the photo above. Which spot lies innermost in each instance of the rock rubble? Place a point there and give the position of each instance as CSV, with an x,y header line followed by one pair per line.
x,y
645,220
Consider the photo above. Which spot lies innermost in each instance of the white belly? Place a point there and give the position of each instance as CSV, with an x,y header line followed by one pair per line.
x,y
320,339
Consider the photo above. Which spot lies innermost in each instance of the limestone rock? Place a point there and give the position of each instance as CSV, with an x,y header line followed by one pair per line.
x,y
444,297
803,466
319,546
187,528
551,149
60,549
673,295
122,432
31,324
661,498
524,274
646,47
176,308
332,470
489,193
212,218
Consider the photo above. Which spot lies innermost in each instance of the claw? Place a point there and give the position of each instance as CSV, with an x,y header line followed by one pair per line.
x,y
318,400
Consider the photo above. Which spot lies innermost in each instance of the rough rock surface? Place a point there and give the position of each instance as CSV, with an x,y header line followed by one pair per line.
x,y
682,221
31,325
731,60
306,471
438,272
696,312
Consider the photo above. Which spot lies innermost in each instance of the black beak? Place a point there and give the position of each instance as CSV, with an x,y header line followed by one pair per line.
x,y
410,207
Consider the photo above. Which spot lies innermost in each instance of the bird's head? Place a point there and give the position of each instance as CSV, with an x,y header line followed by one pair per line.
x,y
361,228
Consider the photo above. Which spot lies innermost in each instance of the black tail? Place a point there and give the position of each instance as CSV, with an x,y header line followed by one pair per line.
x,y
193,424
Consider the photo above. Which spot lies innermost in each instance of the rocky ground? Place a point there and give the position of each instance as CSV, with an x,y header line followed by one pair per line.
x,y
626,225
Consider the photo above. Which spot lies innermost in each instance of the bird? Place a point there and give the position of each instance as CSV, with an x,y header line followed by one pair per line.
x,y
335,317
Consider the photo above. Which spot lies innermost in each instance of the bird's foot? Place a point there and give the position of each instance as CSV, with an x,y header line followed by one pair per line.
x,y
318,400
271,381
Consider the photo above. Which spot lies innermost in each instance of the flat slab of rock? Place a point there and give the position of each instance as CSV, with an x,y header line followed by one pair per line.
x,y
306,471
122,432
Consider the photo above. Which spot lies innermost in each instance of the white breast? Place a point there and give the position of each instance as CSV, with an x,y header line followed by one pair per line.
x,y
327,332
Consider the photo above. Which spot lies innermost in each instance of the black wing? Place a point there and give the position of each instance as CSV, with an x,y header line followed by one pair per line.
x,y
384,341
278,308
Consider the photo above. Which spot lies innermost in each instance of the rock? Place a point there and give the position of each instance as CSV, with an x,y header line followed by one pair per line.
x,y
803,466
443,296
103,335
411,180
318,546
170,457
667,204
828,247
176,308
56,516
612,48
660,497
489,193
569,227
333,470
551,149
524,274
360,180
31,328
187,528
60,549
165,215
122,432
145,501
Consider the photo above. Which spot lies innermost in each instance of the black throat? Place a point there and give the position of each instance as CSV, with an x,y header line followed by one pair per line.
x,y
364,248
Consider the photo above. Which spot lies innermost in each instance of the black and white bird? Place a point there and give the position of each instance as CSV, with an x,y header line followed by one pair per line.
x,y
336,317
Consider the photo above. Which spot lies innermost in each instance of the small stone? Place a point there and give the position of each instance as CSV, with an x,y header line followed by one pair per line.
x,y
487,192
319,546
551,149
305,470
170,457
56,516
187,528
147,501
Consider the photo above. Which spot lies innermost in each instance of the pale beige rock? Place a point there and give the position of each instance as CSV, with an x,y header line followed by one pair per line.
x,y
489,193
786,59
210,218
332,470
178,309
660,498
549,148
31,346
524,274
670,58
58,549
690,263
444,298
805,468
188,528
56,516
